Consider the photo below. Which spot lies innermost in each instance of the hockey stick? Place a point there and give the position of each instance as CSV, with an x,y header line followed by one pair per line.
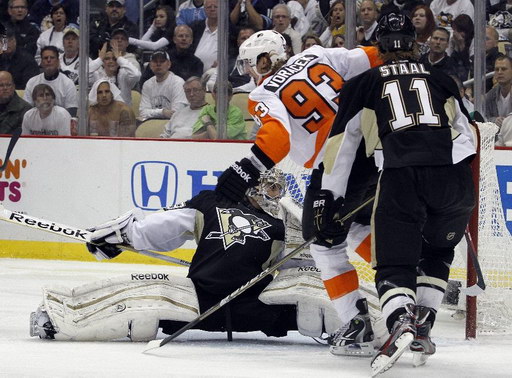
x,y
73,233
480,285
14,138
154,344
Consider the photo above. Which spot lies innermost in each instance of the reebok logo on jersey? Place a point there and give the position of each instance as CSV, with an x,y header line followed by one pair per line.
x,y
244,175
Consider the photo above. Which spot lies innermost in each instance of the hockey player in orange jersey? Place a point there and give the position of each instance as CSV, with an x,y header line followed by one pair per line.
x,y
294,106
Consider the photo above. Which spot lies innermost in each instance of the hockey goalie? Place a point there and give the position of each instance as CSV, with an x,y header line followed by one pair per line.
x,y
235,242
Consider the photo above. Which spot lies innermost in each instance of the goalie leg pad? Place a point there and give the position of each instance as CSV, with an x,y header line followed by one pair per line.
x,y
126,306
303,287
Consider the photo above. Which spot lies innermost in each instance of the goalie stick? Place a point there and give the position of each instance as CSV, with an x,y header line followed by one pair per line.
x,y
154,344
73,233
14,138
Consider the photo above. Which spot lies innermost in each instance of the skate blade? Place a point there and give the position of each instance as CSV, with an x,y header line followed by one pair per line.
x,y
419,358
355,350
382,363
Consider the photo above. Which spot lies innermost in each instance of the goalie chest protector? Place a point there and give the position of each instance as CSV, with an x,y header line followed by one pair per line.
x,y
236,242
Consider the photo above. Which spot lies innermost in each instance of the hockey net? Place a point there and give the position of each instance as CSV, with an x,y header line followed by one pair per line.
x,y
491,313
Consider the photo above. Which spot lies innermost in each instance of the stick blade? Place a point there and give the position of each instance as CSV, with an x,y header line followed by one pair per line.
x,y
473,291
153,344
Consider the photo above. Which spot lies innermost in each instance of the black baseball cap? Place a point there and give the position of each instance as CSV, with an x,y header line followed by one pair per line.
x,y
160,54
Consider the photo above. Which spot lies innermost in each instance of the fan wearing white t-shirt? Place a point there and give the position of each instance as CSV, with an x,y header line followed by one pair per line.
x,y
65,91
46,118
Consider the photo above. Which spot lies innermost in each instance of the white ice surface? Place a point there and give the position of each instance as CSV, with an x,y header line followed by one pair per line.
x,y
202,354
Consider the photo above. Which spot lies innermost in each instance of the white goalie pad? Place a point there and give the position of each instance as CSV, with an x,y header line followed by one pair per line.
x,y
127,306
302,286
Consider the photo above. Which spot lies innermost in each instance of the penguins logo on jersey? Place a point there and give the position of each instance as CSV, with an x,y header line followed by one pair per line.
x,y
236,226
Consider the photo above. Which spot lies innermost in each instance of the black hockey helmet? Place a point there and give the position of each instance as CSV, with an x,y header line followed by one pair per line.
x,y
395,32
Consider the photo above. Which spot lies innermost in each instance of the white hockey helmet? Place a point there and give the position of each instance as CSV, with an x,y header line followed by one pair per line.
x,y
269,191
265,41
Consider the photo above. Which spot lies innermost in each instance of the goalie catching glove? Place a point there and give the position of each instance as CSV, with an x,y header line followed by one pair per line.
x,y
234,181
107,238
328,228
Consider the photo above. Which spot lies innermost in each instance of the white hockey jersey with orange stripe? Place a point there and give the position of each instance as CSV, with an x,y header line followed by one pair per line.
x,y
296,106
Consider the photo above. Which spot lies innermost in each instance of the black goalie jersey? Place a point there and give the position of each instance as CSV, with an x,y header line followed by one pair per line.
x,y
235,242
410,116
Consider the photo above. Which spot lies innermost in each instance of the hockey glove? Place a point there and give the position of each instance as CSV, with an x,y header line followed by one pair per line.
x,y
234,181
107,238
315,184
329,231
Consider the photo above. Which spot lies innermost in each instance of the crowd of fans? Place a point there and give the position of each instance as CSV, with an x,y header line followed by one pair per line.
x,y
173,65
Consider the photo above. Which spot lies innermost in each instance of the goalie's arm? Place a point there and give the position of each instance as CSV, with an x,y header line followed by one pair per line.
x,y
163,231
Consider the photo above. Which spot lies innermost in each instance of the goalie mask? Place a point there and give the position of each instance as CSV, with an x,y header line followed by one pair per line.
x,y
263,42
269,191
395,32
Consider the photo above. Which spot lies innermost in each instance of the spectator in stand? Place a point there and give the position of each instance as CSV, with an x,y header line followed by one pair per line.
x,y
461,47
63,87
40,9
12,106
299,20
423,20
102,28
46,118
241,82
70,58
160,33
163,94
205,36
467,104
26,33
20,63
310,40
338,41
182,121
498,102
183,61
53,36
445,11
437,56
206,126
491,53
250,13
336,20
504,136
116,69
400,6
108,114
119,40
190,11
368,14
281,19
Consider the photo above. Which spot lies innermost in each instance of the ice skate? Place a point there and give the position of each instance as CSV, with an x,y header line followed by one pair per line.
x,y
41,325
354,338
401,336
422,346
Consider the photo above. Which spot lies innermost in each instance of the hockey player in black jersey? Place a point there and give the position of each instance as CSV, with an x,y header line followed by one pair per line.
x,y
414,122
235,243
